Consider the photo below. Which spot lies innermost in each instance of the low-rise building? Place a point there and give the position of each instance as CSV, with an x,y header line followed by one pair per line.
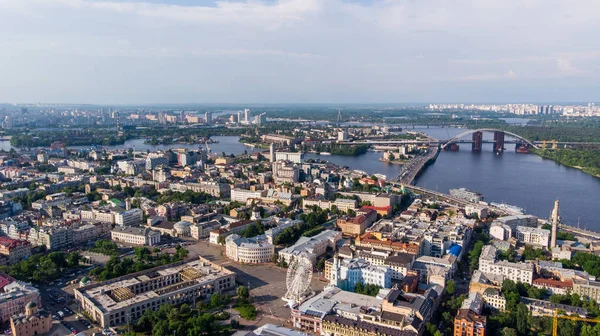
x,y
131,217
33,322
587,288
255,250
554,286
533,235
125,299
494,300
468,323
355,226
135,235
546,308
517,272
311,246
14,250
15,296
347,273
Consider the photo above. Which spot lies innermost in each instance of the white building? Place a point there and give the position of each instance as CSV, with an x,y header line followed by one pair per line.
x,y
346,274
132,217
312,246
522,220
517,272
531,235
242,195
255,250
287,156
500,231
135,235
285,172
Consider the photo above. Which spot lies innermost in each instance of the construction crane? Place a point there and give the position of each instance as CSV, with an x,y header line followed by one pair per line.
x,y
555,318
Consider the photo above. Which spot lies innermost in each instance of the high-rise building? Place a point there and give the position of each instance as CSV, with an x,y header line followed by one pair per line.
x,y
239,116
247,116
208,117
260,119
272,152
555,217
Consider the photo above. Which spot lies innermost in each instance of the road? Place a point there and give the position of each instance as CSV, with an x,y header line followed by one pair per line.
x,y
266,282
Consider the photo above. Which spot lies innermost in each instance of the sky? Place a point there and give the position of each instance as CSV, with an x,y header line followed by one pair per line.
x,y
299,51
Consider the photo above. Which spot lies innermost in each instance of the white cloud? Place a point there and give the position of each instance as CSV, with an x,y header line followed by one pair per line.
x,y
510,74
296,50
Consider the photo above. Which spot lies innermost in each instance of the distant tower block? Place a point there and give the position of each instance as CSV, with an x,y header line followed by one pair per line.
x,y
272,152
555,218
477,141
498,141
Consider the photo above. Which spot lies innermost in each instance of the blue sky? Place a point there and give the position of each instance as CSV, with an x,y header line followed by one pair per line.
x,y
298,51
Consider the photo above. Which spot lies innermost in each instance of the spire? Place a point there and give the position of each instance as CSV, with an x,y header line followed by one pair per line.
x,y
555,219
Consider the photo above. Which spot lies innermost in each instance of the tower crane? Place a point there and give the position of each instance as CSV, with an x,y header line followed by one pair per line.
x,y
555,318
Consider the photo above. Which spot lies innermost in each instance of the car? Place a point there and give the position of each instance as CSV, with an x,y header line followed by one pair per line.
x,y
54,317
61,314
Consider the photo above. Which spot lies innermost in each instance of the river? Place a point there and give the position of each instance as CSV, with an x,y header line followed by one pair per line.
x,y
524,180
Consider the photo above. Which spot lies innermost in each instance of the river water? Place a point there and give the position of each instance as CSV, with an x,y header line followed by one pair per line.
x,y
524,180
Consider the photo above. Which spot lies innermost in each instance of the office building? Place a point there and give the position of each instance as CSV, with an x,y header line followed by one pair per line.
x,y
135,235
125,299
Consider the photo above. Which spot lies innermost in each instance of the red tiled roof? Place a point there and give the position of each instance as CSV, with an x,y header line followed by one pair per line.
x,y
567,284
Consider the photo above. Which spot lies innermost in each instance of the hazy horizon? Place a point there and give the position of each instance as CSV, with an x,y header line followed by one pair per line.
x,y
185,52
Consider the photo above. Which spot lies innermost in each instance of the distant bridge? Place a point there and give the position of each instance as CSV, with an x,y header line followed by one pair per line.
x,y
456,138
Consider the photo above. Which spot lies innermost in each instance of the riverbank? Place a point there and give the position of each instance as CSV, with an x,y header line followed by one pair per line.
x,y
588,161
400,162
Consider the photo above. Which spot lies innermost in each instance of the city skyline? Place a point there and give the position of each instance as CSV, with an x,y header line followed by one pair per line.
x,y
297,51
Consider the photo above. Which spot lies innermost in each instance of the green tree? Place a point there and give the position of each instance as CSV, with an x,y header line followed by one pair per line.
x,y
243,292
523,319
450,287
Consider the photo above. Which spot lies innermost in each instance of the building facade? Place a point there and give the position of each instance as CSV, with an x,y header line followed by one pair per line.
x,y
33,322
255,250
124,299
135,235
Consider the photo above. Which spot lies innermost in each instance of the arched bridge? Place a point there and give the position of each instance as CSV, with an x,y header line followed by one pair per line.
x,y
456,138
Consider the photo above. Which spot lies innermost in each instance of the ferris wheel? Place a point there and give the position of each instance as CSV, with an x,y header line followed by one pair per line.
x,y
298,278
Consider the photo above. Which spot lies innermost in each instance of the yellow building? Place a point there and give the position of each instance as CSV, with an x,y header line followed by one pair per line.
x,y
34,322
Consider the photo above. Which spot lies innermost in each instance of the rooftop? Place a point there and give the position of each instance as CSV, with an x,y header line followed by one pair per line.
x,y
107,295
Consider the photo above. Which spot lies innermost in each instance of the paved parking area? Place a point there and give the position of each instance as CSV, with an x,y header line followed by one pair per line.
x,y
266,282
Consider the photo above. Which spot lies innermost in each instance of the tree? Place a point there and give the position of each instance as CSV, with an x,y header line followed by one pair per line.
x,y
523,319
243,292
321,264
450,287
142,253
221,240
509,332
